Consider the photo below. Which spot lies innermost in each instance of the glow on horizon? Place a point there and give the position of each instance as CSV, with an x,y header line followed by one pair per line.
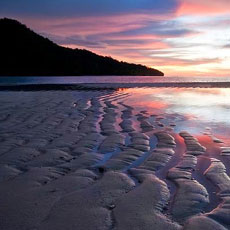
x,y
185,38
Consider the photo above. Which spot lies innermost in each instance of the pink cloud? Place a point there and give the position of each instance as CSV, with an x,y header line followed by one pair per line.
x,y
201,7
93,24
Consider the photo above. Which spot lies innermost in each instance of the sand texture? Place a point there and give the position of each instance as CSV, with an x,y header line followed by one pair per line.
x,y
88,160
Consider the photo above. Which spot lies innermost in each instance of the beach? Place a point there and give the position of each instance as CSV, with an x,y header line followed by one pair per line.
x,y
115,158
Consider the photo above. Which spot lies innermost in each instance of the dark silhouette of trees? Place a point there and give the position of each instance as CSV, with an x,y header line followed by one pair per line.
x,y
25,53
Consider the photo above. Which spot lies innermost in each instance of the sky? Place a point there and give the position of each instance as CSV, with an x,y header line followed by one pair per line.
x,y
178,37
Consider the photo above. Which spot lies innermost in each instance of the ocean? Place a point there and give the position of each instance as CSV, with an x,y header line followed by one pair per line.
x,y
110,79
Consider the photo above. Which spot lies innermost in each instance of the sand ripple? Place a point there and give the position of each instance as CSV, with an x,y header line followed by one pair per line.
x,y
88,160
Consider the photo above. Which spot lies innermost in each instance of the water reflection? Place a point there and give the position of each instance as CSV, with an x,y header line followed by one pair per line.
x,y
192,109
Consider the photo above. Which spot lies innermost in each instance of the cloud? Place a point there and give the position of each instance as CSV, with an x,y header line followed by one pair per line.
x,y
227,46
201,7
137,31
74,41
185,62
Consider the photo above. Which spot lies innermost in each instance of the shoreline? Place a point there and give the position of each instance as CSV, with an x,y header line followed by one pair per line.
x,y
112,86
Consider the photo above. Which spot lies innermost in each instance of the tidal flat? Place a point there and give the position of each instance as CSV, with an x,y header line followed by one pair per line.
x,y
115,159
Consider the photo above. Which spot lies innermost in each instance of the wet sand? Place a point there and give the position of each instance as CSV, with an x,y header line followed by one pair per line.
x,y
90,159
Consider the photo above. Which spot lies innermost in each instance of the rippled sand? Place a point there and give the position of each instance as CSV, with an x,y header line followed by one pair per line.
x,y
109,159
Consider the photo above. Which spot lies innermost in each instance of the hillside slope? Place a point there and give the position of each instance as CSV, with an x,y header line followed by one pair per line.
x,y
26,53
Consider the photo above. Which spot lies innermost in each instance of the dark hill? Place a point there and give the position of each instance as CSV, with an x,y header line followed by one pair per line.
x,y
26,53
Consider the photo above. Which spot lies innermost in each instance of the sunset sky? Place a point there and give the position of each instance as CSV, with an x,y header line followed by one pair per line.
x,y
179,37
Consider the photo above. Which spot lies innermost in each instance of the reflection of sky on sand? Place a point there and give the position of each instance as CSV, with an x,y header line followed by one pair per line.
x,y
192,109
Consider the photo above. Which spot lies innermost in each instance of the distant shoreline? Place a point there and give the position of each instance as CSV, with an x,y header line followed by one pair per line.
x,y
112,86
